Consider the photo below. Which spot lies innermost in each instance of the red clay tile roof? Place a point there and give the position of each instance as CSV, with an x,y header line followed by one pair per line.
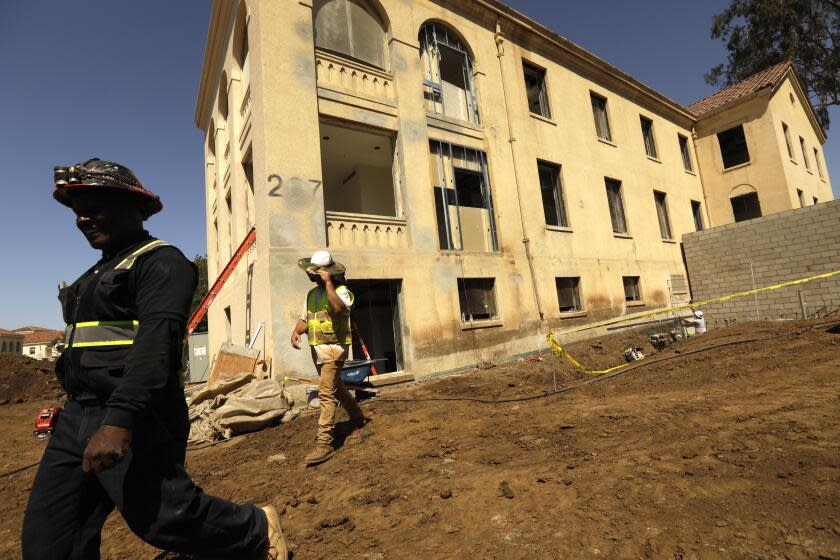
x,y
38,335
768,77
7,333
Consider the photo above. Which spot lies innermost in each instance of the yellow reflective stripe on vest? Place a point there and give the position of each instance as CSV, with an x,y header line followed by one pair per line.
x,y
128,262
322,328
90,334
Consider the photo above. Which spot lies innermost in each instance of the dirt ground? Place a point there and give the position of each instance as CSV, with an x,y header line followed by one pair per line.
x,y
731,452
24,379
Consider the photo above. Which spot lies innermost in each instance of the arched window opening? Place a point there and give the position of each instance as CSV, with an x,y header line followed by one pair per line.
x,y
351,28
448,85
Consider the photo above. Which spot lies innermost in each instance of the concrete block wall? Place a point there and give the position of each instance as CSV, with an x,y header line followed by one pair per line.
x,y
780,247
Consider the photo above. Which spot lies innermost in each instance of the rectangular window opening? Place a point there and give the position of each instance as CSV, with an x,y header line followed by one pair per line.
x,y
477,299
733,147
697,213
631,288
804,153
686,155
463,201
535,89
816,201
801,195
819,164
376,317
662,214
647,134
551,190
786,133
568,293
746,207
357,168
229,205
228,323
616,204
602,121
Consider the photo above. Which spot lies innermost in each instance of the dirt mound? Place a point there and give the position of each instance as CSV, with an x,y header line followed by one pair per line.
x,y
726,449
24,379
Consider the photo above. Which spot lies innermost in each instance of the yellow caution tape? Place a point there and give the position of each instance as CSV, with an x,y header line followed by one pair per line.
x,y
561,353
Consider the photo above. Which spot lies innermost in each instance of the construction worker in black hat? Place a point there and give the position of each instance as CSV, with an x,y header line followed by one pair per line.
x,y
121,439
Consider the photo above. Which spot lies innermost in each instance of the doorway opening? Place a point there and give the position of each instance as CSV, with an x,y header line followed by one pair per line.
x,y
376,317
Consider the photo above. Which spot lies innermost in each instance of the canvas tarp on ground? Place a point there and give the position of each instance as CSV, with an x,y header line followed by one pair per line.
x,y
237,405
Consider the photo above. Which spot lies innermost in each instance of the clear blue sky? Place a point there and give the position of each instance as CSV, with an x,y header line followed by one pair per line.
x,y
118,80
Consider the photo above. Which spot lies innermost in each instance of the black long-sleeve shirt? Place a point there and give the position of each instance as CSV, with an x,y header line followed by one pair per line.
x,y
158,291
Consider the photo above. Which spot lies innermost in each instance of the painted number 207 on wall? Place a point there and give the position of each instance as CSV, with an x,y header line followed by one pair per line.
x,y
275,183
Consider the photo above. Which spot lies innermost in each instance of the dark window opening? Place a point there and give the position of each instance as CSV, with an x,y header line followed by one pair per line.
x,y
686,156
746,207
697,213
477,299
228,324
376,321
568,294
602,121
535,89
801,196
662,214
786,133
631,288
804,154
614,199
733,146
551,190
647,134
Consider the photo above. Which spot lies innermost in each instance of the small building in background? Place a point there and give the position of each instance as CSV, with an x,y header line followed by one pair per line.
x,y
40,343
10,342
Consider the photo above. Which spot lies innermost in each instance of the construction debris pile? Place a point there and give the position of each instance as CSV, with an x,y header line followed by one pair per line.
x,y
23,379
236,405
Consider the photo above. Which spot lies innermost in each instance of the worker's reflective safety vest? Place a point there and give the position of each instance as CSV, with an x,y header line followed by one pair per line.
x,y
109,334
322,328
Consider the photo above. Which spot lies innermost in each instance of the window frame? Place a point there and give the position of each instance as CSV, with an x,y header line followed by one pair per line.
x,y
800,194
697,214
577,306
348,20
688,165
608,182
542,98
450,177
663,217
428,39
637,286
467,316
817,161
648,132
559,195
746,147
743,197
804,154
592,99
786,134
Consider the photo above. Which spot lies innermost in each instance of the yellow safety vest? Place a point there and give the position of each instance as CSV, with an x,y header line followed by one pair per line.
x,y
322,328
108,334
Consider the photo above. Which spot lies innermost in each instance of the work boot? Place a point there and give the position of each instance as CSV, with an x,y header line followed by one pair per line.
x,y
277,549
321,453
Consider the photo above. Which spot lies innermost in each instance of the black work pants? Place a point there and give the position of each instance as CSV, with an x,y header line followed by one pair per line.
x,y
158,500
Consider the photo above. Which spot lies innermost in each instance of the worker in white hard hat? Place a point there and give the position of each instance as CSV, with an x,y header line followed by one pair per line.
x,y
698,321
326,322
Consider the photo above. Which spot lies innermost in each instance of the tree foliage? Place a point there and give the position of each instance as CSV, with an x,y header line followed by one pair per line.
x,y
200,290
760,33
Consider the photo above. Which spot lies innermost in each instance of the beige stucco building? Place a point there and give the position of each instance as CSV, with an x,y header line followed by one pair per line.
x,y
40,343
483,178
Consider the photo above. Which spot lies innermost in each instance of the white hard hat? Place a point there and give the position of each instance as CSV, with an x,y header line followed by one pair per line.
x,y
321,258
698,314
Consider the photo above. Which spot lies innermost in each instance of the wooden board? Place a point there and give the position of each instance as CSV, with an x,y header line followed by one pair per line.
x,y
232,360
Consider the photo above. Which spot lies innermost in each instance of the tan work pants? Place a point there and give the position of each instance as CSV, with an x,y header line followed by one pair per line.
x,y
332,391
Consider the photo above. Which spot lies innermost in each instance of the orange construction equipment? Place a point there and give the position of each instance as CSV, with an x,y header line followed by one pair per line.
x,y
358,334
201,310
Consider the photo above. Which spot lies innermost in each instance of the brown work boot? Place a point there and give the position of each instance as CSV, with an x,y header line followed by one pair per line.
x,y
321,453
277,549
360,422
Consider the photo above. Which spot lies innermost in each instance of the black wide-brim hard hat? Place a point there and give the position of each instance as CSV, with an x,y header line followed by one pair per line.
x,y
98,174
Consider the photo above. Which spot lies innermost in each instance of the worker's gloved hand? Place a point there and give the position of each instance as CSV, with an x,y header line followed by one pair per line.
x,y
325,275
108,446
296,340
